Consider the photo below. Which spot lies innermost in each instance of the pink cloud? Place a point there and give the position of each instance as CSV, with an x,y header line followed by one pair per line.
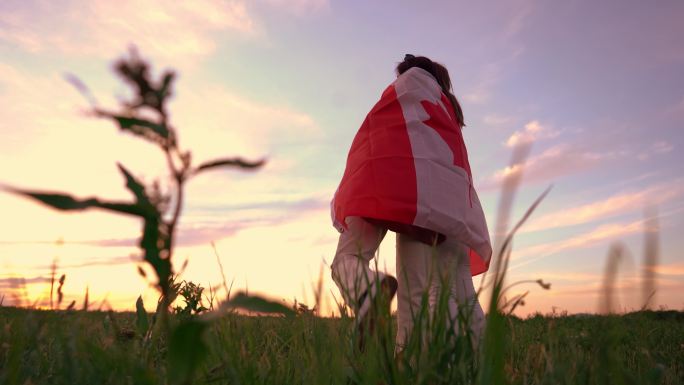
x,y
614,205
221,121
571,276
584,153
624,283
567,281
594,237
299,7
482,90
671,270
532,132
497,120
557,161
18,282
657,148
102,28
203,232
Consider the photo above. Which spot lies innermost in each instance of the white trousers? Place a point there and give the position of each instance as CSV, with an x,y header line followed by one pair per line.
x,y
422,271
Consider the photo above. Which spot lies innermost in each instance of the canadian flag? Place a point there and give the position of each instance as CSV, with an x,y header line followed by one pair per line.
x,y
408,164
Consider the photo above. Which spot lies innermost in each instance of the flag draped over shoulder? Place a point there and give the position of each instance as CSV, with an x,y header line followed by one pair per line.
x,y
408,164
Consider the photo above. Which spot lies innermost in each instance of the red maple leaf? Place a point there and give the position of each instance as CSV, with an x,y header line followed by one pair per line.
x,y
444,122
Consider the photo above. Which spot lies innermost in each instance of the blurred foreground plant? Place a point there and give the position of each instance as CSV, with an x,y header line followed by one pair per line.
x,y
146,117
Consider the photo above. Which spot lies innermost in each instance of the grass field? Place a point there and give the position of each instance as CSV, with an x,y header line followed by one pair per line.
x,y
75,347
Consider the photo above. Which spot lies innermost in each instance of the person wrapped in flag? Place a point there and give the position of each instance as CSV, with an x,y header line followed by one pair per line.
x,y
407,171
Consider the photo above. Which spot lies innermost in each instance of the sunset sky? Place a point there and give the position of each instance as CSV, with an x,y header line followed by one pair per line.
x,y
598,85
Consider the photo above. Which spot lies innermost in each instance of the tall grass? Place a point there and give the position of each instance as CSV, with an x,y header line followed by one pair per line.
x,y
651,257
60,347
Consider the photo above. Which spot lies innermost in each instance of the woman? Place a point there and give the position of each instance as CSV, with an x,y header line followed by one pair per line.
x,y
408,171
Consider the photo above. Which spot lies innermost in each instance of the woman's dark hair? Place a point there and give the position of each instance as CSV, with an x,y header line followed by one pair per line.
x,y
441,75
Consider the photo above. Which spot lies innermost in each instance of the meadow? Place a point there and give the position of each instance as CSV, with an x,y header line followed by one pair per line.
x,y
77,347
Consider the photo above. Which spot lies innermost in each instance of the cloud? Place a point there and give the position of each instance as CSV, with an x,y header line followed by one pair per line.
x,y
668,272
497,120
19,282
193,233
299,7
671,270
532,132
662,147
625,283
599,235
91,262
555,276
659,147
217,122
601,148
518,19
678,108
559,160
291,206
213,121
613,205
527,135
102,27
189,235
481,91
252,214
505,45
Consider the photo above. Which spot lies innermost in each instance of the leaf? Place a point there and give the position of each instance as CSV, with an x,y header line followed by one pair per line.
x,y
140,125
68,203
165,87
138,190
229,162
141,321
152,236
150,241
153,244
155,132
59,201
258,304
187,350
133,184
